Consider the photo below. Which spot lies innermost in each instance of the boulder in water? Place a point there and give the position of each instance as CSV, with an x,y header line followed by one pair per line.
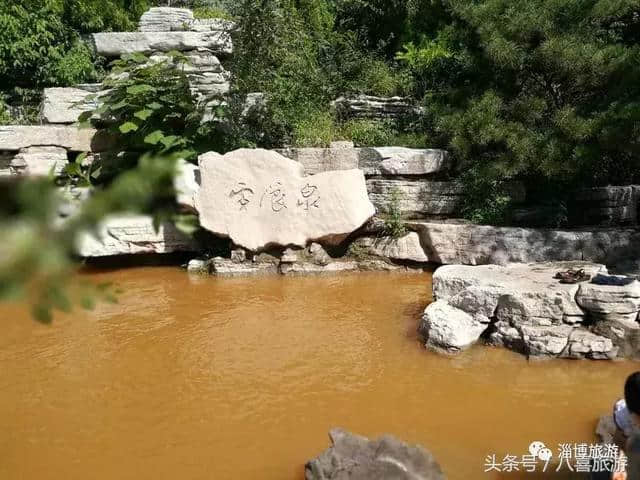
x,y
352,457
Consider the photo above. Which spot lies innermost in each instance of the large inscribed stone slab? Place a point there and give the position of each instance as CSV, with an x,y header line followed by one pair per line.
x,y
260,198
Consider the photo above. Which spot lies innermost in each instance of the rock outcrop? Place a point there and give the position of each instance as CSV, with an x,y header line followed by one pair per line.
x,y
352,457
522,307
259,198
130,235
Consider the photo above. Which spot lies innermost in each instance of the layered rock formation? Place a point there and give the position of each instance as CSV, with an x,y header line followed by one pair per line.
x,y
523,308
259,198
366,106
131,235
352,457
404,177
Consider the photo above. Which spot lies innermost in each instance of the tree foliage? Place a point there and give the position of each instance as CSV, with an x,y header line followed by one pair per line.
x,y
547,90
41,39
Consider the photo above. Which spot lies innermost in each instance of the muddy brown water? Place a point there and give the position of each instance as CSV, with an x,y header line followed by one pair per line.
x,y
205,378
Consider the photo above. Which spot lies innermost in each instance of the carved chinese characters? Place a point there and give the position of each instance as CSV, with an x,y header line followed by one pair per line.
x,y
259,198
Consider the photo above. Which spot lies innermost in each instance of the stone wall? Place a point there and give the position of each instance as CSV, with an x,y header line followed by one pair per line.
x,y
404,176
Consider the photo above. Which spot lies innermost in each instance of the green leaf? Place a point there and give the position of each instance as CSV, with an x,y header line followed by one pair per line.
x,y
85,117
128,127
155,106
138,89
119,105
41,312
154,137
143,114
187,224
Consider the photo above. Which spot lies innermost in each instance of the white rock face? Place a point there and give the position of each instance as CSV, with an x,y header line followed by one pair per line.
x,y
165,19
39,161
127,235
68,136
65,105
116,44
259,198
449,329
611,301
402,161
404,248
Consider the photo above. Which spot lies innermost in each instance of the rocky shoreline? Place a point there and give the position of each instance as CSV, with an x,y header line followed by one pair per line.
x,y
522,307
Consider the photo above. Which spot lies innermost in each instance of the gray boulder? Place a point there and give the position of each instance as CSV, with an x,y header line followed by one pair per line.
x,y
450,330
352,457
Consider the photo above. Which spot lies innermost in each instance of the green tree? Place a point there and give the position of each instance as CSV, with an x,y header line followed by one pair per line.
x,y
546,91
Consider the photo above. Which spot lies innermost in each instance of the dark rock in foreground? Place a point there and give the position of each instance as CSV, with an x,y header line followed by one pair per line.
x,y
354,457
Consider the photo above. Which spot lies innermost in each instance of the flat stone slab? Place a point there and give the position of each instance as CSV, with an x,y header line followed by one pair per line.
x,y
65,105
66,136
115,44
130,235
259,198
352,457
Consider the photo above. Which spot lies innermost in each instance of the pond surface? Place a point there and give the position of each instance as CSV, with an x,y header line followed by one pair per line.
x,y
205,378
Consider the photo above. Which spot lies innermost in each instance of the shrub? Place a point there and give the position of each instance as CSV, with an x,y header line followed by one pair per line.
x,y
148,109
211,12
394,221
319,129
